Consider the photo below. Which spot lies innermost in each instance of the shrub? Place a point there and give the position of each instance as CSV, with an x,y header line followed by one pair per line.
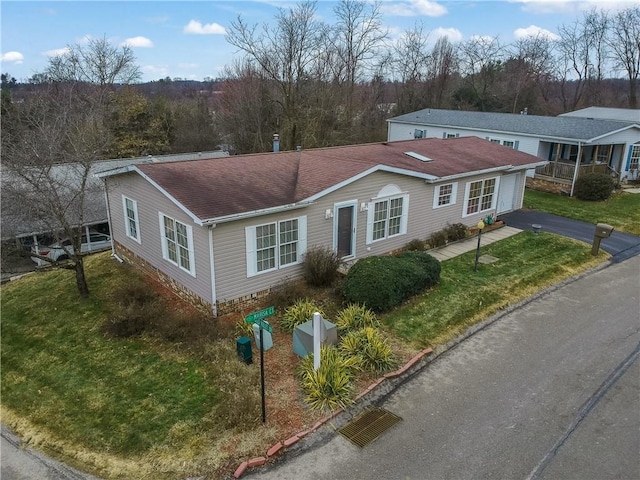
x,y
457,231
356,317
331,386
134,308
415,244
242,329
320,266
437,239
285,294
300,312
431,266
371,350
594,186
381,283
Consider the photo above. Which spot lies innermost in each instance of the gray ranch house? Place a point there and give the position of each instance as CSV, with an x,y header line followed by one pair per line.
x,y
222,232
596,139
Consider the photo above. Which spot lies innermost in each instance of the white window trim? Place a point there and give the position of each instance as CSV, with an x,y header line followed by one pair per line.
x,y
371,212
436,195
165,254
127,227
494,199
500,141
251,246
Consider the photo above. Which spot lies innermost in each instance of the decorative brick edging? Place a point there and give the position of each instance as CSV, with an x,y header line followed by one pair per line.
x,y
281,446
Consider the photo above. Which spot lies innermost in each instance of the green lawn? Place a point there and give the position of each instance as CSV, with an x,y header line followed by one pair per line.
x,y
622,210
145,408
122,405
526,264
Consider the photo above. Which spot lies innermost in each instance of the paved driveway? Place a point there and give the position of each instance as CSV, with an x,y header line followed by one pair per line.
x,y
549,391
620,245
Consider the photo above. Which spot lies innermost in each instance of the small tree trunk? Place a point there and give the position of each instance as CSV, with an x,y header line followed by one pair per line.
x,y
81,279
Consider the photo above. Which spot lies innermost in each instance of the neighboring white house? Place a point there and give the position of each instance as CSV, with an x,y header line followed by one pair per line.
x,y
222,232
594,139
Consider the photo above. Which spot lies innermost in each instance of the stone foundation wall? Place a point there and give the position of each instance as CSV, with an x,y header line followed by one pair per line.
x,y
547,186
242,304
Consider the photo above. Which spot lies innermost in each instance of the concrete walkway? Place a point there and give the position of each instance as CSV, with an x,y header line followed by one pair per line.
x,y
458,248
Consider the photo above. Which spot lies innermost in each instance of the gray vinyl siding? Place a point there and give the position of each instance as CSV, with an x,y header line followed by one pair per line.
x,y
404,131
150,201
230,257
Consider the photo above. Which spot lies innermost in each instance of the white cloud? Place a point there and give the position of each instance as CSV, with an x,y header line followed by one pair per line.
x,y
188,65
57,52
535,31
198,28
570,6
142,42
453,34
156,70
13,57
413,8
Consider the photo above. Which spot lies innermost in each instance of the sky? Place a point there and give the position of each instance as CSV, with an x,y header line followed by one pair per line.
x,y
186,39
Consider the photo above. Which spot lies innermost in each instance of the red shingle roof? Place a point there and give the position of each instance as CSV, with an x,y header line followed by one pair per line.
x,y
212,188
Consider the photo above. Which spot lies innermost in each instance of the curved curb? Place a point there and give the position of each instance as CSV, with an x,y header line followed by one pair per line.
x,y
281,446
401,375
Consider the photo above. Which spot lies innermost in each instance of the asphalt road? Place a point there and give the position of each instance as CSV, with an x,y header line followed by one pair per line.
x,y
549,391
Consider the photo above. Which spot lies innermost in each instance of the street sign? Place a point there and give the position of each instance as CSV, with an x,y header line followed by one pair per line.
x,y
264,324
255,316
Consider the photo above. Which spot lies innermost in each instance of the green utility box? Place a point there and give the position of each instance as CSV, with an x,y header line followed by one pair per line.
x,y
243,347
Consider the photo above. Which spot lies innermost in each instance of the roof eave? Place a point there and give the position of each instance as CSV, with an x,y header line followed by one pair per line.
x,y
255,213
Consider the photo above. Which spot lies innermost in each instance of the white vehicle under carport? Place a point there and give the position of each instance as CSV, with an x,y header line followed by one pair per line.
x,y
63,249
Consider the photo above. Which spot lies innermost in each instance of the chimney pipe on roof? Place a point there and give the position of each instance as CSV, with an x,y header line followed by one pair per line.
x,y
276,142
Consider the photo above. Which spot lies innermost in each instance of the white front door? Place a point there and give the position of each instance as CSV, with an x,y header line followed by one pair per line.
x,y
507,193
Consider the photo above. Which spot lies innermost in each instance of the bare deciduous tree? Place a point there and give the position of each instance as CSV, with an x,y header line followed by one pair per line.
x,y
58,133
624,41
411,61
98,62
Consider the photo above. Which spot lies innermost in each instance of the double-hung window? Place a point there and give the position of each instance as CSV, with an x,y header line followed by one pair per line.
x,y
177,243
480,196
131,223
634,158
387,214
445,195
275,245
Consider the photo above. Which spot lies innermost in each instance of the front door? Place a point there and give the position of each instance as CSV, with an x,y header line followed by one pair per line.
x,y
506,195
344,229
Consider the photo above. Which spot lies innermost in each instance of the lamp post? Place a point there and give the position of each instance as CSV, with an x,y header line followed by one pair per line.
x,y
480,227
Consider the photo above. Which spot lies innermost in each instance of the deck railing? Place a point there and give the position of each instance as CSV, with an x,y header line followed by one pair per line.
x,y
564,171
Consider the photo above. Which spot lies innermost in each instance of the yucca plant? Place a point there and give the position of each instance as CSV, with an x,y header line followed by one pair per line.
x,y
355,317
368,349
330,386
300,312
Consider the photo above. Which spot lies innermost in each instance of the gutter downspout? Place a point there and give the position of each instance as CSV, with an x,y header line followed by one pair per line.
x,y
575,172
113,246
214,308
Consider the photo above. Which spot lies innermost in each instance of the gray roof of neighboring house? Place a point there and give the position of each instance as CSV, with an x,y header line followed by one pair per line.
x,y
606,113
18,219
565,127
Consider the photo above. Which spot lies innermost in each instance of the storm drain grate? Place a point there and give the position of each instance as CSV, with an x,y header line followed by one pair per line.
x,y
368,426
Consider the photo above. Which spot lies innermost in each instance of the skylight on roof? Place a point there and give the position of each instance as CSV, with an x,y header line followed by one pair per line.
x,y
417,156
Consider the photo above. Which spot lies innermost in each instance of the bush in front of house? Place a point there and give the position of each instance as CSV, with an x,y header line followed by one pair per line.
x,y
594,187
300,312
369,348
430,265
437,239
415,245
134,308
331,386
356,317
455,232
382,283
320,266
